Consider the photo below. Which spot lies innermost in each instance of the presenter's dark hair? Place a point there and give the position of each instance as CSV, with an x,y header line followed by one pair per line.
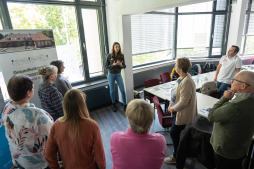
x,y
236,48
119,54
58,64
18,86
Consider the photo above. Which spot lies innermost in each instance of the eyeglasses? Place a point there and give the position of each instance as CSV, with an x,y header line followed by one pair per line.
x,y
239,81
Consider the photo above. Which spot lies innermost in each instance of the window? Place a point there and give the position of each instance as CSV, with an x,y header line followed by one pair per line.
x,y
193,35
92,41
218,34
152,38
1,27
197,30
248,32
78,35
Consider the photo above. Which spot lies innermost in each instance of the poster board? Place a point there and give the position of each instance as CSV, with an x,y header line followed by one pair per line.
x,y
22,52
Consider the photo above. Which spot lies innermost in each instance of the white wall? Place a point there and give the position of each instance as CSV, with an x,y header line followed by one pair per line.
x,y
237,23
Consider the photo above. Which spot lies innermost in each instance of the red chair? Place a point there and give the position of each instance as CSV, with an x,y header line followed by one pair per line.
x,y
165,118
150,83
165,77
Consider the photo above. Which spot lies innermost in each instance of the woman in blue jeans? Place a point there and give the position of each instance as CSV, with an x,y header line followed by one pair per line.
x,y
115,63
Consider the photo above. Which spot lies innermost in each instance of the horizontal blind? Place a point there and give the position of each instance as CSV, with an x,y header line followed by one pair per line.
x,y
221,5
218,31
251,25
151,33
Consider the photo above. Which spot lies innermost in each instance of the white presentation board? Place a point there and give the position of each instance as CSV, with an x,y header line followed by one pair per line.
x,y
24,52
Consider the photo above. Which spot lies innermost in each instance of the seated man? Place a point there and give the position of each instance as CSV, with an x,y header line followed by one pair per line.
x,y
233,122
228,66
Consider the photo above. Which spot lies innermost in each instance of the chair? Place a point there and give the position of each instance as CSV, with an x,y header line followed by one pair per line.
x,y
165,77
165,118
150,83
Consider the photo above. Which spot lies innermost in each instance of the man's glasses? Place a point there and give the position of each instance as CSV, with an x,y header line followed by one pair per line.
x,y
240,82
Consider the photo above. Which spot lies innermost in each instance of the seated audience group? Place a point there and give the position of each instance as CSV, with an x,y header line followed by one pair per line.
x,y
63,129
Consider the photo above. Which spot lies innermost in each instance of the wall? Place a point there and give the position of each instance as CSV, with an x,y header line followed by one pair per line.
x,y
237,23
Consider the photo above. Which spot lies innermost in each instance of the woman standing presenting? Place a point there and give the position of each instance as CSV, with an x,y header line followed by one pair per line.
x,y
183,104
114,64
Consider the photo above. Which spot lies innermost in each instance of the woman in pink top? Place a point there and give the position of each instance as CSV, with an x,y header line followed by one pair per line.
x,y
76,136
138,148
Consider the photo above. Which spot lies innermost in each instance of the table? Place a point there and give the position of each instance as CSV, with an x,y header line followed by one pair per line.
x,y
248,67
163,91
204,102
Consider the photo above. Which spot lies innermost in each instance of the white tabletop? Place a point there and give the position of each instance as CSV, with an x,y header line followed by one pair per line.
x,y
164,90
248,67
204,102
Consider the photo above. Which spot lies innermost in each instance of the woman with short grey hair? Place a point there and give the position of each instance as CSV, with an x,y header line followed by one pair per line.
x,y
138,145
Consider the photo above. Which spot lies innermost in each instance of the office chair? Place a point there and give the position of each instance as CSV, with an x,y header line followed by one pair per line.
x,y
165,77
150,83
165,118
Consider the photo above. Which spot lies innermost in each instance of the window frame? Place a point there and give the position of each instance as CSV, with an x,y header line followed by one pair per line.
x,y
99,5
214,13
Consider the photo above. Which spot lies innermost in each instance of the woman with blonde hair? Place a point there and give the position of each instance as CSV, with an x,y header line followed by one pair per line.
x,y
138,148
76,136
51,98
26,126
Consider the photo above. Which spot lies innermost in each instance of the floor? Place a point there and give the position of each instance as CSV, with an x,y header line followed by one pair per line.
x,y
111,122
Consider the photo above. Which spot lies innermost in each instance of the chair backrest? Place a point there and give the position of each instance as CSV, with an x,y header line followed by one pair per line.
x,y
165,77
151,82
165,122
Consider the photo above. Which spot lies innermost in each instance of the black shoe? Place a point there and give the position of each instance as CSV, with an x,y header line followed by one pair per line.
x,y
114,107
124,107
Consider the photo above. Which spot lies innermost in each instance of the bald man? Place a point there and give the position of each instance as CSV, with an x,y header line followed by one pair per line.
x,y
233,122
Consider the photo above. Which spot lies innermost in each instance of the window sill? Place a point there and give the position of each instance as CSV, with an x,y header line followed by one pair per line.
x,y
91,85
171,62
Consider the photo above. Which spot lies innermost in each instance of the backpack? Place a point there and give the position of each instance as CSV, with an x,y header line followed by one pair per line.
x,y
209,67
173,74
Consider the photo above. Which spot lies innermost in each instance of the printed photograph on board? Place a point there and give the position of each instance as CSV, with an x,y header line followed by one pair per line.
x,y
20,40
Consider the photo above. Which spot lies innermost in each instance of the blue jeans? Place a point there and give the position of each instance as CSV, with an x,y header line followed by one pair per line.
x,y
175,132
111,81
222,87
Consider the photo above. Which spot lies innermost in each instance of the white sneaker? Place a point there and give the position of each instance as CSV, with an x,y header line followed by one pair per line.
x,y
170,160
